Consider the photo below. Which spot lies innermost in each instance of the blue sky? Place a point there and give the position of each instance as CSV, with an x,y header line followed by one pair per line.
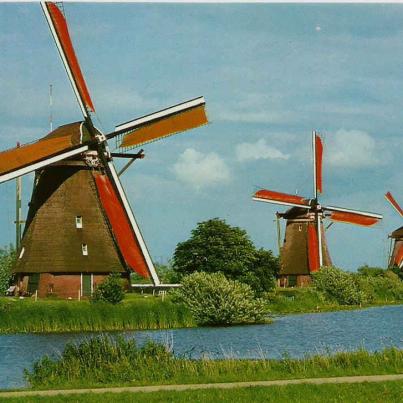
x,y
269,73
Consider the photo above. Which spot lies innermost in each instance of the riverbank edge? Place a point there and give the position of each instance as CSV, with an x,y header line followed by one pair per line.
x,y
272,317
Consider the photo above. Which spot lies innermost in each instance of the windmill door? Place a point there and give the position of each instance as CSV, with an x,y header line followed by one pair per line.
x,y
87,285
33,282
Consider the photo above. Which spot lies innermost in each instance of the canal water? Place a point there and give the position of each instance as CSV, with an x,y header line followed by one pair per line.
x,y
294,335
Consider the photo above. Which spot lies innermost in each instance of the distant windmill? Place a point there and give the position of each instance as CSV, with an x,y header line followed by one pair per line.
x,y
304,249
80,226
396,258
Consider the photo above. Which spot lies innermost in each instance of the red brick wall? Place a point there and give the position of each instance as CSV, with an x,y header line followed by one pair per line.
x,y
61,285
66,285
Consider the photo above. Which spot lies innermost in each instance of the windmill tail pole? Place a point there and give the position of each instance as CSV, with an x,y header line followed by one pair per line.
x,y
319,230
278,233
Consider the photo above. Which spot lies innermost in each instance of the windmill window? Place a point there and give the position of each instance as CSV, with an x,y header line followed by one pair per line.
x,y
79,221
84,248
21,253
300,228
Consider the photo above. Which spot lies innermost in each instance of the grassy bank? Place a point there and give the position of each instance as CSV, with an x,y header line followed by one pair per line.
x,y
304,300
104,361
140,312
50,315
340,393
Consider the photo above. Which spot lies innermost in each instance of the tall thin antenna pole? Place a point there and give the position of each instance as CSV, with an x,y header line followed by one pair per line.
x,y
51,106
18,212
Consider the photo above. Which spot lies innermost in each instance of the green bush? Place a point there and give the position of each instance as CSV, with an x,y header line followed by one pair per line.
x,y
387,287
110,290
7,259
371,271
342,286
215,300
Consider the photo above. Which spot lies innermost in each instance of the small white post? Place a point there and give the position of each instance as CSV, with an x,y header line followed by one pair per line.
x,y
79,294
36,295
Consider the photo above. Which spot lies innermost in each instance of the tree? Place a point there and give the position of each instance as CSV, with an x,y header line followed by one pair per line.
x,y
215,246
262,276
7,260
215,300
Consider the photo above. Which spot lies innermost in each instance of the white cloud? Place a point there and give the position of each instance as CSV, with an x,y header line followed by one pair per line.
x,y
257,151
353,149
201,170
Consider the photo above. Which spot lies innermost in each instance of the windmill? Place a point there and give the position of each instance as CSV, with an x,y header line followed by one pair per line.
x,y
304,249
396,257
80,226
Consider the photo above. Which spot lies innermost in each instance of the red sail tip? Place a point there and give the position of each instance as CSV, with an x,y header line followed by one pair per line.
x,y
394,203
318,163
280,197
60,26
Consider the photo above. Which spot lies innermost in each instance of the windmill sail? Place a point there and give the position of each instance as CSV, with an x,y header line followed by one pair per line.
x,y
134,226
62,143
125,237
60,33
318,153
394,203
269,196
356,217
167,122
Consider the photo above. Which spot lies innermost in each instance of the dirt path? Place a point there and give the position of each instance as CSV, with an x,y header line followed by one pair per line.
x,y
228,385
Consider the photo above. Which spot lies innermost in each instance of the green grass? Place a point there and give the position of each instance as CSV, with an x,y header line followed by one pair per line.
x,y
105,361
52,315
304,300
382,392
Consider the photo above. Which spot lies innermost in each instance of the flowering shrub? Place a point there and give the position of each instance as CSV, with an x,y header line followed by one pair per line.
x,y
215,300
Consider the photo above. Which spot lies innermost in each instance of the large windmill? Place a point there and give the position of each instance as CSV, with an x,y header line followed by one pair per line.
x,y
304,249
80,226
396,257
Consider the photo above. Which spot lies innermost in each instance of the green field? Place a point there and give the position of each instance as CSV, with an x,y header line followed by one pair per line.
x,y
382,392
53,315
